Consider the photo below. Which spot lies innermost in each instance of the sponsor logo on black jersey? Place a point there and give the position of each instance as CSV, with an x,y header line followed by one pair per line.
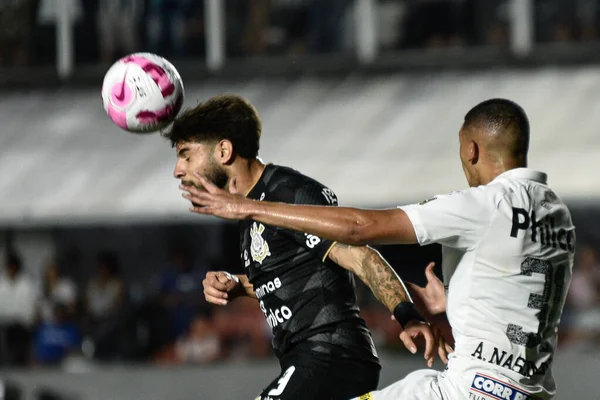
x,y
267,288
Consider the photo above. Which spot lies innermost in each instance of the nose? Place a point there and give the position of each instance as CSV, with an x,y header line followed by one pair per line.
x,y
178,173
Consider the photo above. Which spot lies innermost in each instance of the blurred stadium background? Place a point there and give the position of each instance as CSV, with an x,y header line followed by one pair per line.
x,y
100,291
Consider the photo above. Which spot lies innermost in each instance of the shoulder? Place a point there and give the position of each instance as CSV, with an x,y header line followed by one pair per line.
x,y
477,202
489,195
508,191
285,176
291,186
485,195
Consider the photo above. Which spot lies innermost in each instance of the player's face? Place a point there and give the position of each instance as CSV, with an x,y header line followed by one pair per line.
x,y
198,158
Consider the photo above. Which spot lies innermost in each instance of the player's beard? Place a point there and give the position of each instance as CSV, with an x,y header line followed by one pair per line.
x,y
216,174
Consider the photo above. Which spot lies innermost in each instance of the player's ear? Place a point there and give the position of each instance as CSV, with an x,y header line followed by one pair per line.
x,y
224,151
473,152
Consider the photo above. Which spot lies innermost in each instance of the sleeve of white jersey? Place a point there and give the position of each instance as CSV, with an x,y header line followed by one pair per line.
x,y
456,220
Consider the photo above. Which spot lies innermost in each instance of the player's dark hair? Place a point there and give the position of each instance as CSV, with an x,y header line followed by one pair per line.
x,y
226,116
507,119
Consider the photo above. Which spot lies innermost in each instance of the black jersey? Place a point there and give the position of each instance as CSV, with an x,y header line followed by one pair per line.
x,y
305,297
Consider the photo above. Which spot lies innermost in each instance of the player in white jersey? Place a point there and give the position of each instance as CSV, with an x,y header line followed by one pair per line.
x,y
508,245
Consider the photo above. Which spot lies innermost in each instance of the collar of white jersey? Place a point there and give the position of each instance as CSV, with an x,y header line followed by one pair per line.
x,y
525,173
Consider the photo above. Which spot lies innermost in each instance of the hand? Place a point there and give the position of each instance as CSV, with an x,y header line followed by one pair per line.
x,y
442,345
415,329
214,201
433,339
221,287
430,300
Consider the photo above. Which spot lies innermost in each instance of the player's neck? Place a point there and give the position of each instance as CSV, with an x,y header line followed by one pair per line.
x,y
246,175
498,168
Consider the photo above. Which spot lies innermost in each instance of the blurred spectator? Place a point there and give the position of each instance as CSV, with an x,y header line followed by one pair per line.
x,y
153,330
16,23
436,23
118,27
489,22
57,290
194,42
583,317
295,26
200,345
566,20
586,15
181,292
326,25
57,337
18,297
243,329
247,27
105,300
166,26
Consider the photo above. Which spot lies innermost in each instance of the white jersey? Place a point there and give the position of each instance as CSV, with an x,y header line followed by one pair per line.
x,y
508,252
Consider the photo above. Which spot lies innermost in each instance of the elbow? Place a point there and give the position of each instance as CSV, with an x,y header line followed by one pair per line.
x,y
359,233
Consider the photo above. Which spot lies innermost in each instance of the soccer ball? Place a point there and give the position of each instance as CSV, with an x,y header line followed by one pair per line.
x,y
142,93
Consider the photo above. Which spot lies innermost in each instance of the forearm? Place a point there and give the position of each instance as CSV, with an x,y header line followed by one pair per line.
x,y
375,272
385,284
247,286
342,224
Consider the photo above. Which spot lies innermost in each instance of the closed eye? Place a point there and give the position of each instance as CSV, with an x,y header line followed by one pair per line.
x,y
184,153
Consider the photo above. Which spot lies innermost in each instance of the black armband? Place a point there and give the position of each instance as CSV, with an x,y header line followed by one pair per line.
x,y
406,312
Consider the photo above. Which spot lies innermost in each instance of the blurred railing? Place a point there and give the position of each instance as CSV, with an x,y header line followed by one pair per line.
x,y
70,38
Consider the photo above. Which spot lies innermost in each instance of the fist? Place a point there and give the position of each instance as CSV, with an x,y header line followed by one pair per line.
x,y
221,287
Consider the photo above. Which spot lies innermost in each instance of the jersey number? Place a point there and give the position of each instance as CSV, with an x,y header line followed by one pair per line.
x,y
548,303
282,382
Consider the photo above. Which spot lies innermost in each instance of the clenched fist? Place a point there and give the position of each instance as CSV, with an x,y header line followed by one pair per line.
x,y
221,287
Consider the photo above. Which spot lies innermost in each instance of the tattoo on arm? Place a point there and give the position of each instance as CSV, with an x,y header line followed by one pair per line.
x,y
374,271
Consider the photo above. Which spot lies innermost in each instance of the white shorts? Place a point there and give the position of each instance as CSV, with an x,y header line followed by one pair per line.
x,y
424,384
457,384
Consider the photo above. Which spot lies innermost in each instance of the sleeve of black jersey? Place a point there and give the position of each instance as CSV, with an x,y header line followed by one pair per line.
x,y
313,193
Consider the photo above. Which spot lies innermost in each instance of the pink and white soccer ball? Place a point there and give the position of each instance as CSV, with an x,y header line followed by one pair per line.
x,y
142,93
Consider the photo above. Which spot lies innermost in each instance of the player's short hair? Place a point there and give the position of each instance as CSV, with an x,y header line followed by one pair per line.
x,y
225,116
504,117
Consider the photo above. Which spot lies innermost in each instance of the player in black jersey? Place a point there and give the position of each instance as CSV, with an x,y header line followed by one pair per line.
x,y
324,347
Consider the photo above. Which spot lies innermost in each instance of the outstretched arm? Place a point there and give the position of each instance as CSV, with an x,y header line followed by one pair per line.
x,y
346,225
343,224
